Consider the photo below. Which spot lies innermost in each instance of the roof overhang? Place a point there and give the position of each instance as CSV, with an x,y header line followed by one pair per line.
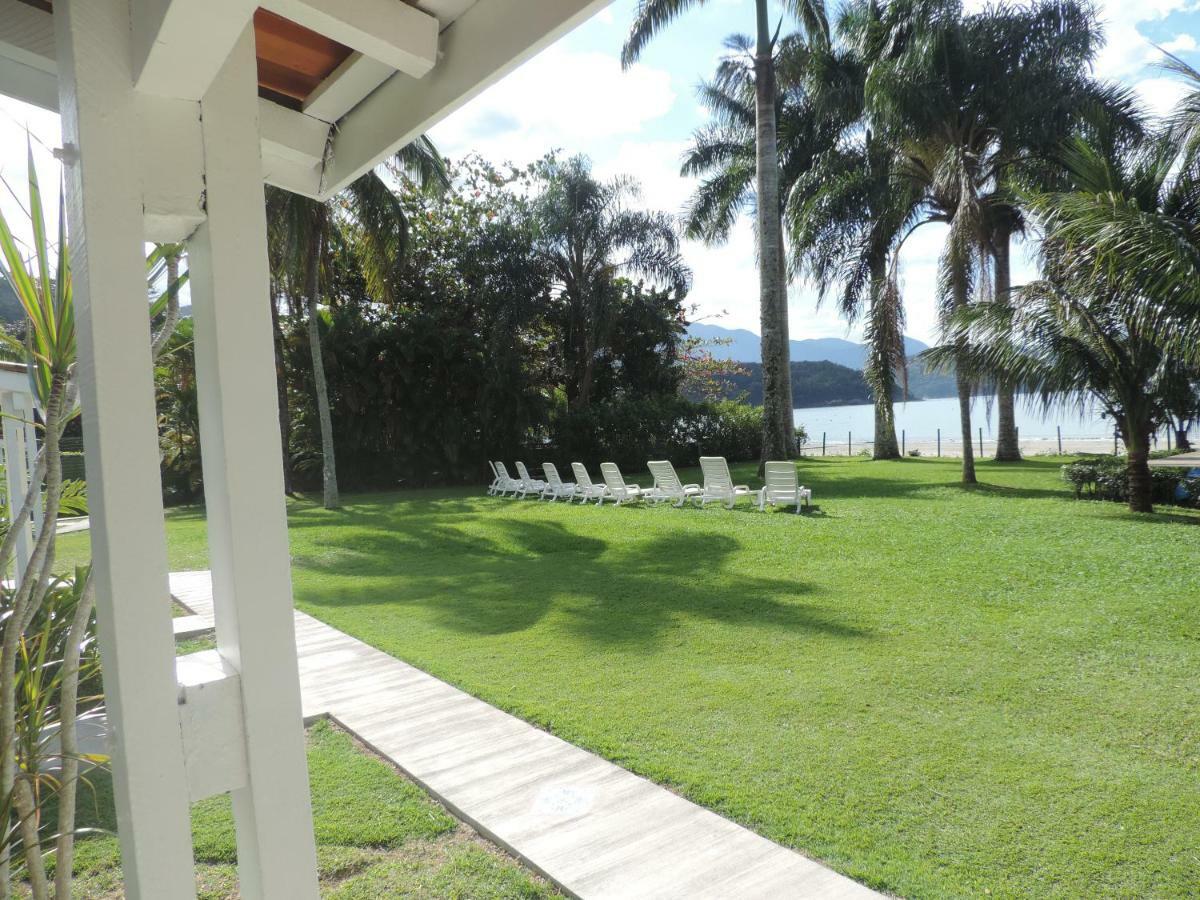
x,y
342,85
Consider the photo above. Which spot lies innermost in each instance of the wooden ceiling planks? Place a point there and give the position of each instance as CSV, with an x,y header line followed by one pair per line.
x,y
292,60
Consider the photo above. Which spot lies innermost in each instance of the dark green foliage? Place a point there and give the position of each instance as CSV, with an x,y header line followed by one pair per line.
x,y
1107,478
473,357
631,431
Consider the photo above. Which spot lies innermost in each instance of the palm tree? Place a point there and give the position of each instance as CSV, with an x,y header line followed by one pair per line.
x,y
966,100
724,153
779,439
1099,326
369,214
849,214
588,236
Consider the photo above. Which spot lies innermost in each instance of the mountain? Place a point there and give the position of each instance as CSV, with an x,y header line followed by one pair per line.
x,y
745,346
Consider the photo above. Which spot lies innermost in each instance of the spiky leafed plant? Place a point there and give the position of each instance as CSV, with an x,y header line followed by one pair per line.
x,y
370,218
44,289
588,233
652,16
1099,327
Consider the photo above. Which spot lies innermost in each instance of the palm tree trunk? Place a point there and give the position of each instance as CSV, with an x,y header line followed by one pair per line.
x,y
964,394
789,399
1008,448
779,436
1137,463
285,419
879,374
312,288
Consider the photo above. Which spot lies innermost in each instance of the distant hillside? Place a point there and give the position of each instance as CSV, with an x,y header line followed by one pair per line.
x,y
745,346
11,310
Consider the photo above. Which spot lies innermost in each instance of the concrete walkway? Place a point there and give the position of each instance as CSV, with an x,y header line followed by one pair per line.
x,y
591,827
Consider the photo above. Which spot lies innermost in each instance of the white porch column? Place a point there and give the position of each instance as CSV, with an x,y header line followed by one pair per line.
x,y
243,489
104,205
16,410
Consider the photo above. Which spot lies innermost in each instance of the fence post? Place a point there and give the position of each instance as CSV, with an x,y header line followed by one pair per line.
x,y
939,443
981,442
1059,427
903,443
849,443
1168,437
822,443
1116,436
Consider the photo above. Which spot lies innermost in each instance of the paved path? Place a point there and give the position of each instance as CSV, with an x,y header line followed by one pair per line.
x,y
593,828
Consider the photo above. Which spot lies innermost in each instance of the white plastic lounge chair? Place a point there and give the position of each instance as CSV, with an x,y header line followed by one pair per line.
x,y
667,485
585,488
782,485
555,486
528,486
617,488
495,485
718,483
505,482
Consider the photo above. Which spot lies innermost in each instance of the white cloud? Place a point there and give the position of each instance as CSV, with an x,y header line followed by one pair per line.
x,y
1160,94
558,99
1182,43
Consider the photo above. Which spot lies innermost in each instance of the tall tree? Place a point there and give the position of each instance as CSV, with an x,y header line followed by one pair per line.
x,y
370,216
589,235
967,98
779,438
1115,317
849,214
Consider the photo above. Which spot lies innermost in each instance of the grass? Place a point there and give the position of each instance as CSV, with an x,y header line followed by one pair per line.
x,y
937,690
378,835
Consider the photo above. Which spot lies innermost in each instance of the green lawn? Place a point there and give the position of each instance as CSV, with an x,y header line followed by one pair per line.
x,y
942,692
378,835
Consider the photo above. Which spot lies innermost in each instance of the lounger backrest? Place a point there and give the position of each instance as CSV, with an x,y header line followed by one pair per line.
x,y
523,472
613,478
503,471
582,478
780,478
665,478
551,471
492,466
716,473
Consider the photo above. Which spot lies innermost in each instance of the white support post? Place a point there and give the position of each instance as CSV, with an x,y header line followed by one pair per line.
x,y
104,206
243,489
16,472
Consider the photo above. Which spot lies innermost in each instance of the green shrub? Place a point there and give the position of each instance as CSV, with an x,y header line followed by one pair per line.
x,y
1107,478
631,431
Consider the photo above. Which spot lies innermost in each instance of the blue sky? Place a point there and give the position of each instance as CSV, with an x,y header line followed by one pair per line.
x,y
575,97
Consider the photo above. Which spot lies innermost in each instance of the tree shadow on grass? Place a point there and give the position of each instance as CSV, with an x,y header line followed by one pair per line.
x,y
522,571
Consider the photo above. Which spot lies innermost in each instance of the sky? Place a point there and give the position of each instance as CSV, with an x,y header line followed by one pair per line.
x,y
573,97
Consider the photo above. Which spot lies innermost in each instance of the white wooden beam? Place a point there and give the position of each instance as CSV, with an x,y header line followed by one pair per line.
x,y
243,489
171,160
345,88
180,45
399,35
16,408
288,134
120,429
27,67
483,45
211,720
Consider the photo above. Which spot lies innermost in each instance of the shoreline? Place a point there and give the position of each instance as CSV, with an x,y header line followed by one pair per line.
x,y
953,448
